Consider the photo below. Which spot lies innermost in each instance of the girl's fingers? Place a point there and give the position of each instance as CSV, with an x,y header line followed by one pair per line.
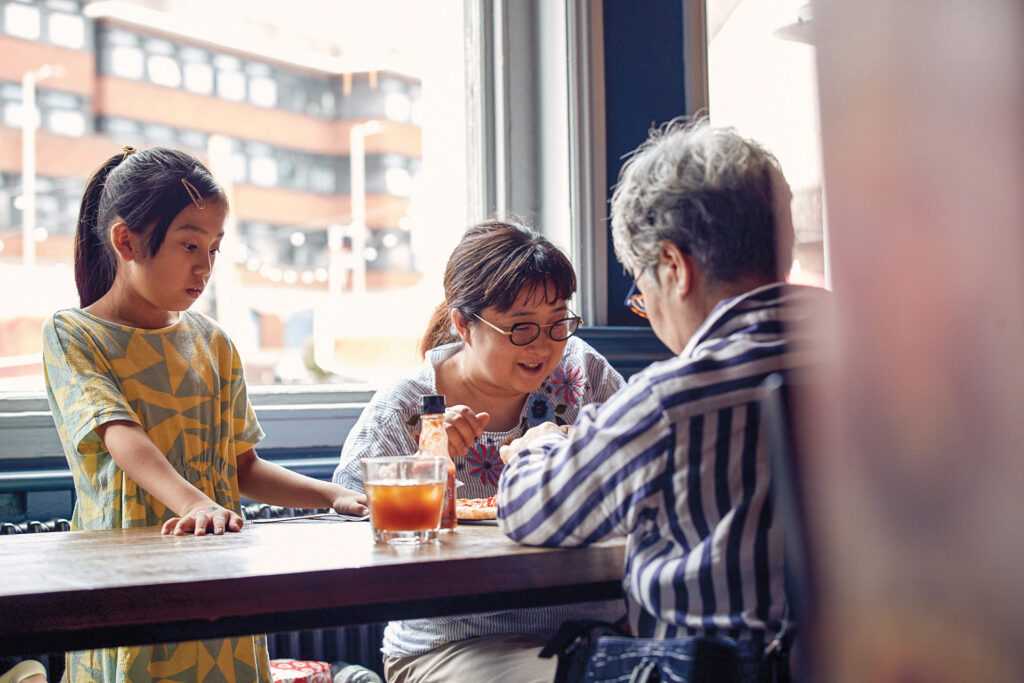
x,y
202,520
168,527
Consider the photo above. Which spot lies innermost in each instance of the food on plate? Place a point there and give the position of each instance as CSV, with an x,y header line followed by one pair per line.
x,y
476,508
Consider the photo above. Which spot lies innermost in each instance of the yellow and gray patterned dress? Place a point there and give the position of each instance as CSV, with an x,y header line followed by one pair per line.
x,y
184,385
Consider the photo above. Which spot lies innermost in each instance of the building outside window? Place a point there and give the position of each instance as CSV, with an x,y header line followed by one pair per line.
x,y
67,30
66,122
22,20
762,80
282,149
128,62
164,70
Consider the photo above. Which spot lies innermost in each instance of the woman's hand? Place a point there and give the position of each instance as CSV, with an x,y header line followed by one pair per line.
x,y
202,517
350,503
464,427
531,436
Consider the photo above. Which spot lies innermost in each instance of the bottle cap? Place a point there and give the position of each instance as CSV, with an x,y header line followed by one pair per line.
x,y
432,404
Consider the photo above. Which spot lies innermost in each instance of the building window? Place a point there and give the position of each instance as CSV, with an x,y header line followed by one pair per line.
x,y
199,78
67,122
127,62
263,171
262,91
398,181
321,179
66,30
193,139
397,106
164,71
231,85
22,21
13,114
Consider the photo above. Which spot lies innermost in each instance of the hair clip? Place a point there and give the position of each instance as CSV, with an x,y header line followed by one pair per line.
x,y
193,193
127,149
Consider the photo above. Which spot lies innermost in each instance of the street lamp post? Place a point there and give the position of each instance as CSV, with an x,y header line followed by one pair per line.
x,y
29,124
357,173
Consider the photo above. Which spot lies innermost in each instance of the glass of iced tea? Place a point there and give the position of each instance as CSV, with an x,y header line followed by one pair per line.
x,y
405,497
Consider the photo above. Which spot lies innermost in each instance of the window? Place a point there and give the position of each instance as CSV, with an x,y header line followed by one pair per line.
x,y
397,106
12,114
66,29
763,82
22,21
398,181
164,70
263,91
284,146
321,179
262,87
231,84
264,170
127,62
199,78
66,122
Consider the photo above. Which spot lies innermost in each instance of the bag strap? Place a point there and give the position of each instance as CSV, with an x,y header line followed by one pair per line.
x,y
572,635
565,639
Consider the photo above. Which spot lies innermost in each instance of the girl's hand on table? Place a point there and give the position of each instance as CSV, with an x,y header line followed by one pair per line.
x,y
350,503
464,427
202,518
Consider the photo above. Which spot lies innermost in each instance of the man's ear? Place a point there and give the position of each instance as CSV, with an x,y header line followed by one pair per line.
x,y
461,325
679,268
123,241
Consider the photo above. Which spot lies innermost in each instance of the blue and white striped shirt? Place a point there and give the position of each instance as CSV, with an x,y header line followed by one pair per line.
x,y
676,463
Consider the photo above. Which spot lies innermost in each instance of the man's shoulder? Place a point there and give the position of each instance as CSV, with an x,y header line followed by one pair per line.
x,y
717,371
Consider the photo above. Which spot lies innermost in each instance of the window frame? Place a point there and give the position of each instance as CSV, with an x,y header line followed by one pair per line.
x,y
507,112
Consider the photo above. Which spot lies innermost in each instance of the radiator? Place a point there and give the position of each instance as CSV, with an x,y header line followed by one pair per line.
x,y
350,644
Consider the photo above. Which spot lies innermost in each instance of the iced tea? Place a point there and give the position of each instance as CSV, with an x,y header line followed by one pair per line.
x,y
405,506
405,495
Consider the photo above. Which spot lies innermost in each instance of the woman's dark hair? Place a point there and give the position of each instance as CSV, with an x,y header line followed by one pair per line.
x,y
146,189
495,262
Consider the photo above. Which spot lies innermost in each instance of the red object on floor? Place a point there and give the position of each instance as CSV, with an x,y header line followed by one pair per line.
x,y
294,671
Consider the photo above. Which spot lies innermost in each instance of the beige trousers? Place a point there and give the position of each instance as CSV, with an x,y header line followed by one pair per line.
x,y
489,659
28,671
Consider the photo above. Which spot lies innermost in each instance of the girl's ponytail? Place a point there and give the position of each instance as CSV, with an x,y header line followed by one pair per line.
x,y
438,330
94,261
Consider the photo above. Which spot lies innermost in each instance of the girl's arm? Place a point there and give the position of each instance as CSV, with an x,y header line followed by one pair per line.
x,y
136,454
271,483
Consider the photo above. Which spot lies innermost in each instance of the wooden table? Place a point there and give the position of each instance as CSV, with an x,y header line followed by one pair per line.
x,y
77,590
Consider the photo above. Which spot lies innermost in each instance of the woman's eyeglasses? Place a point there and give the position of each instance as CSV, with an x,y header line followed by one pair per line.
x,y
523,334
635,302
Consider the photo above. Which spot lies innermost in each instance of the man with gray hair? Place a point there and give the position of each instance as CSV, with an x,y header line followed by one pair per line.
x,y
675,461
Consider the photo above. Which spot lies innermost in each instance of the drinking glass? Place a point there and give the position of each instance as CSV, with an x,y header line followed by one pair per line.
x,y
405,495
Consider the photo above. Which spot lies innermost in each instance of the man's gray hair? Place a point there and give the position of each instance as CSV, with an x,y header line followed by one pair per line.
x,y
708,191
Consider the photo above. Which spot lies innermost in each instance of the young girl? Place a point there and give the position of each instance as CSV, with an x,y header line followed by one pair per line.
x,y
149,398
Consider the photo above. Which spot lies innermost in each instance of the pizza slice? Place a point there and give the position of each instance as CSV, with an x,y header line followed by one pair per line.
x,y
476,508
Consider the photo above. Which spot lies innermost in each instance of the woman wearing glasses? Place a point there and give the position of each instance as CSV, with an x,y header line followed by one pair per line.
x,y
502,351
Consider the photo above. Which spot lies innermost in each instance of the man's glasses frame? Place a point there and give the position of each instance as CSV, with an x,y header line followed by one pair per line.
x,y
528,332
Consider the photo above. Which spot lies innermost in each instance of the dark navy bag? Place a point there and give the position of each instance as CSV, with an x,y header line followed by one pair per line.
x,y
596,652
